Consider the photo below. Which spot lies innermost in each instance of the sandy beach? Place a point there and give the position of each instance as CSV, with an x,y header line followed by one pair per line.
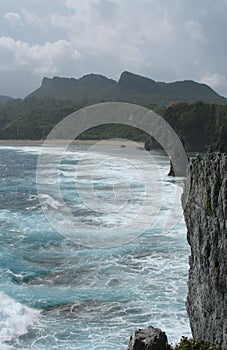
x,y
21,142
75,142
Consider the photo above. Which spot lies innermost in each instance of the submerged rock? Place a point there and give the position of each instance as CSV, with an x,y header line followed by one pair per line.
x,y
148,339
205,210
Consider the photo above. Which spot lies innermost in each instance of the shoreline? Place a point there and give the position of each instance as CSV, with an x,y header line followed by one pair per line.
x,y
21,142
74,142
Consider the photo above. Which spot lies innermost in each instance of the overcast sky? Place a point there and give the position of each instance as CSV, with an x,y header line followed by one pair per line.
x,y
166,40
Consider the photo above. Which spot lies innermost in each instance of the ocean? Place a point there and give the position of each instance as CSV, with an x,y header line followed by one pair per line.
x,y
120,262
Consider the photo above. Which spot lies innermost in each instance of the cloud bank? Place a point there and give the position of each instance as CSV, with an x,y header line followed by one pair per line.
x,y
163,40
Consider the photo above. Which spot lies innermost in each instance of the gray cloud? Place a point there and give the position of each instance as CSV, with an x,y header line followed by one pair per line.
x,y
161,39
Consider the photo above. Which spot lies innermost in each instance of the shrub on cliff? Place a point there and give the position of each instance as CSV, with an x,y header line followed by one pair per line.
x,y
193,344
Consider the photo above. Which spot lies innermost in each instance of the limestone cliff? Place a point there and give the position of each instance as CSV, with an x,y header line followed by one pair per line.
x,y
205,210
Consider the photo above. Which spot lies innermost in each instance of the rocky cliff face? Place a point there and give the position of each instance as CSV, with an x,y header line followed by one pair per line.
x,y
205,209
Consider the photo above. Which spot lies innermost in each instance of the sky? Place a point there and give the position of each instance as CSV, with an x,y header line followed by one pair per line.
x,y
165,40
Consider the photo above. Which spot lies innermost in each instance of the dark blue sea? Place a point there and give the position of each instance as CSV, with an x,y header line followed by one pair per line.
x,y
89,287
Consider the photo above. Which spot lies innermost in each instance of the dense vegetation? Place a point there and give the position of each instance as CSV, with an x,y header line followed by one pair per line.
x,y
199,124
34,118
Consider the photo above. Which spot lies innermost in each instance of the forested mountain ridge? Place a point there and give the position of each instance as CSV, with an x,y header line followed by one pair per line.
x,y
199,116
130,87
90,86
5,99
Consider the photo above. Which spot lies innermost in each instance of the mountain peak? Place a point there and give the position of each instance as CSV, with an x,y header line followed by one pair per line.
x,y
57,80
129,75
93,78
131,81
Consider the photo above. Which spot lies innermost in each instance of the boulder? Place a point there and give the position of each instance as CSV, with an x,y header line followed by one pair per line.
x,y
148,339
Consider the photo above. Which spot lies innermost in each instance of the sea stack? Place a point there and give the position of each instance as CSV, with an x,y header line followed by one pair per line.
x,y
205,210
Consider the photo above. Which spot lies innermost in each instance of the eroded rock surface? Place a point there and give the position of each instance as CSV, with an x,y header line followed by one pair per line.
x,y
205,210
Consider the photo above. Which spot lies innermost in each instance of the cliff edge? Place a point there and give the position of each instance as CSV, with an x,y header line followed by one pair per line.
x,y
205,210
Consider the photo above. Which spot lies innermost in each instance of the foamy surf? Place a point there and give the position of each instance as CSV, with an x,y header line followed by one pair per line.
x,y
15,320
115,290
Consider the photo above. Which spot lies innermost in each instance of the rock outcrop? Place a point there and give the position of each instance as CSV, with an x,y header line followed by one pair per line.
x,y
148,339
171,170
205,210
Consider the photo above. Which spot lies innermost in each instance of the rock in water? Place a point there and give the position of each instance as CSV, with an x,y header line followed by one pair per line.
x,y
148,145
205,210
171,170
148,339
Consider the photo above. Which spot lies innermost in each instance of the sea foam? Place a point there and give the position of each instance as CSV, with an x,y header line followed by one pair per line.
x,y
15,319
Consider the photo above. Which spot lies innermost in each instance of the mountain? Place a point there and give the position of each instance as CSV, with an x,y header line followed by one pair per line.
x,y
4,99
87,87
195,111
130,88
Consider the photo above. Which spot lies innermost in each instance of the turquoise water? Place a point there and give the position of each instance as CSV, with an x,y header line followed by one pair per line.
x,y
57,293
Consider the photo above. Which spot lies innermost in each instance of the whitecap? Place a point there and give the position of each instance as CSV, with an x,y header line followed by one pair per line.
x,y
15,319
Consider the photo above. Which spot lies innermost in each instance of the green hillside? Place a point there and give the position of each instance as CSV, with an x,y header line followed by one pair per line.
x,y
199,124
199,116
